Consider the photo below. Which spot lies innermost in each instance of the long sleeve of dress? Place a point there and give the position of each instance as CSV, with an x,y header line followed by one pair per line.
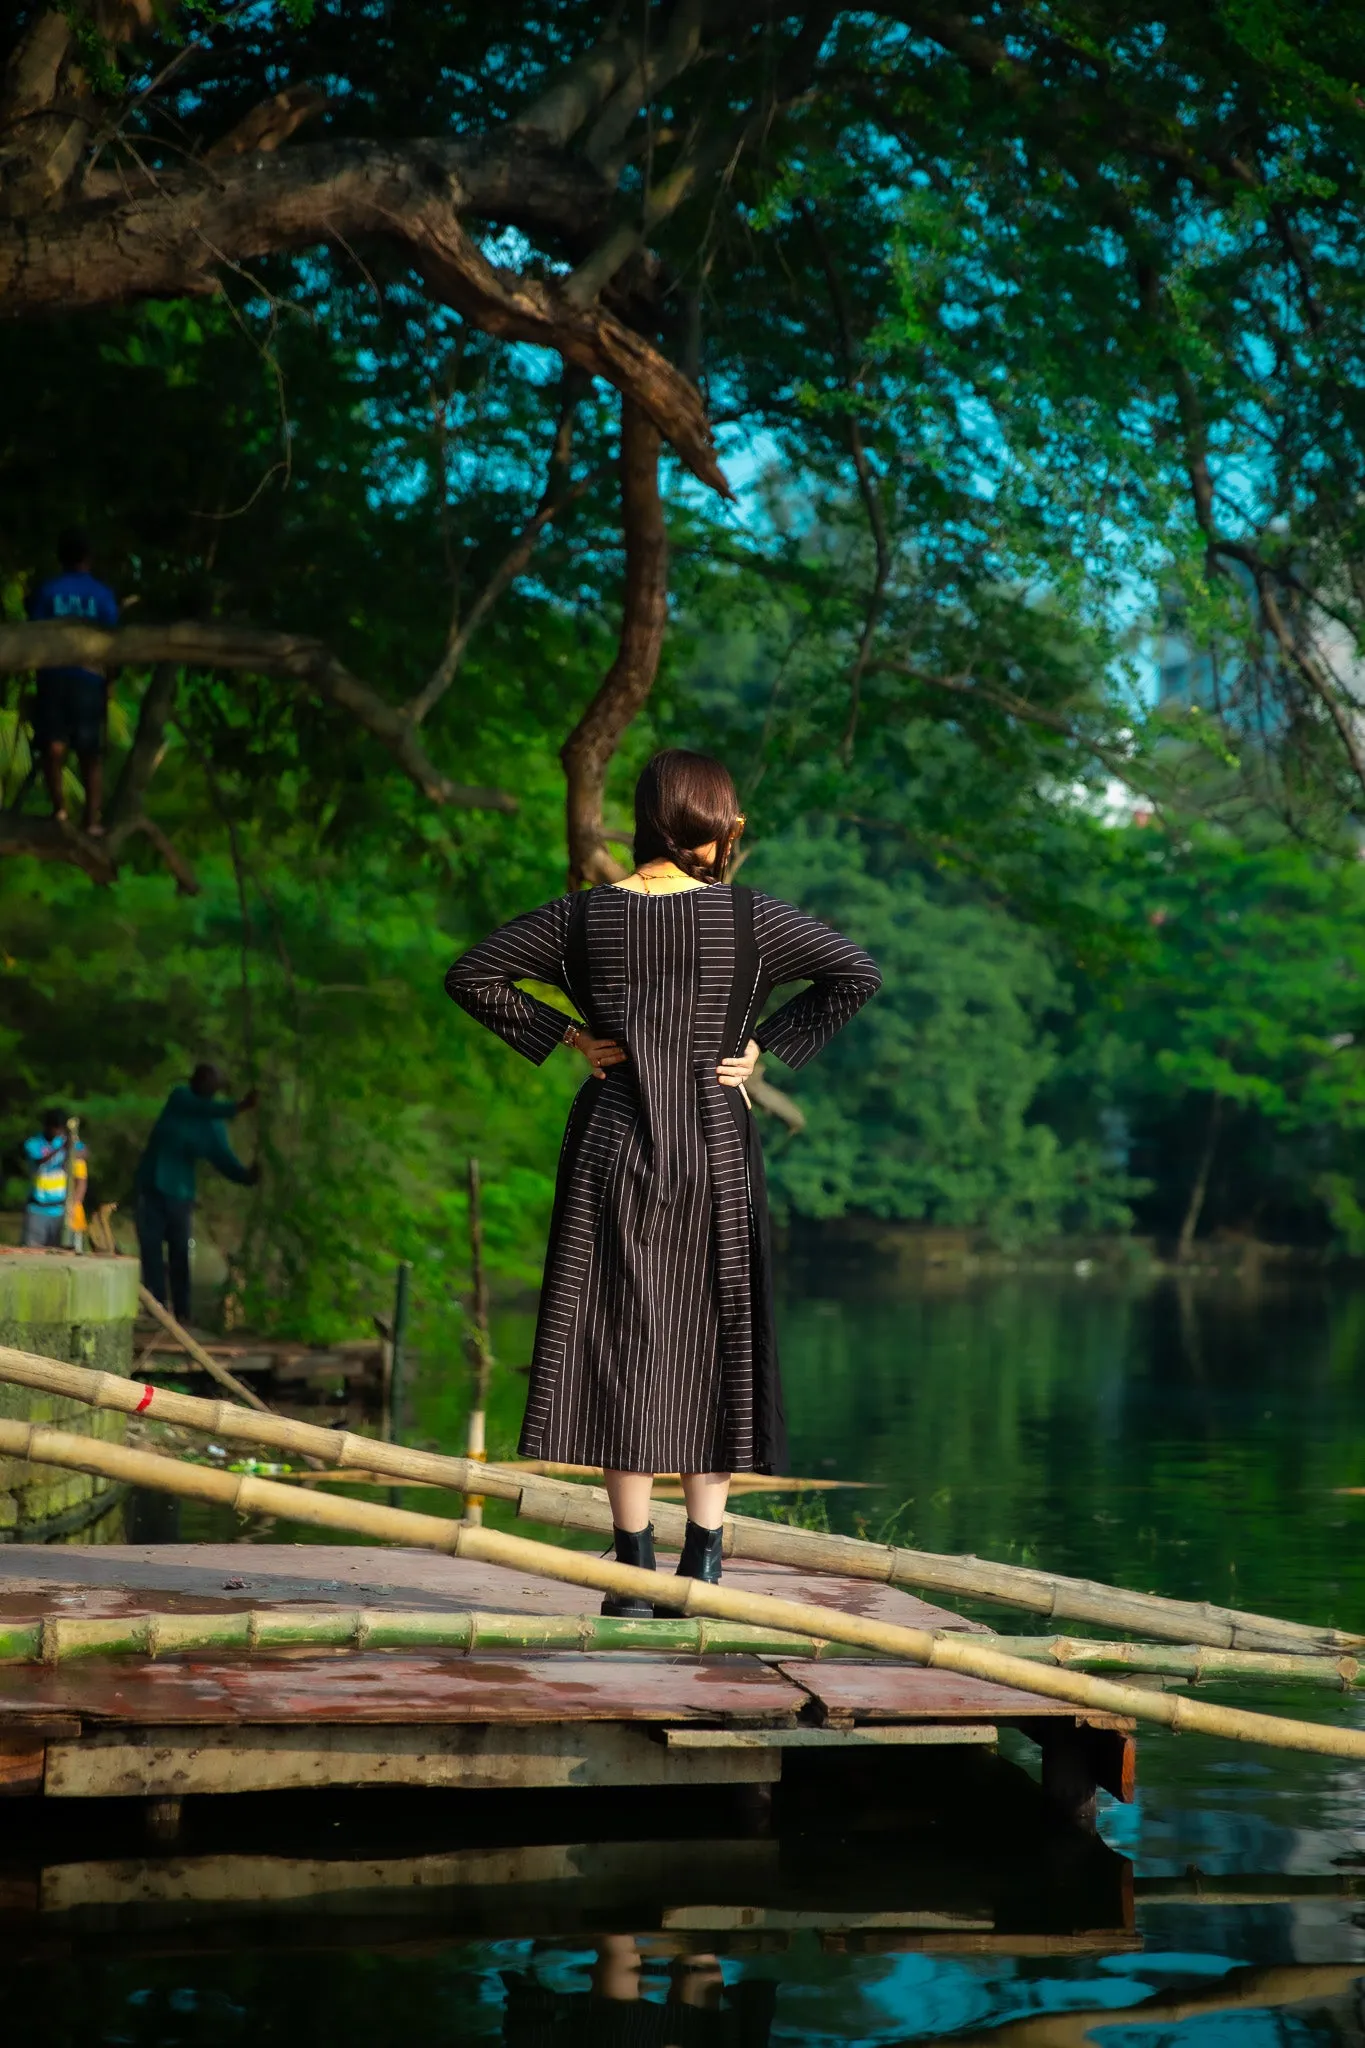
x,y
484,980
794,947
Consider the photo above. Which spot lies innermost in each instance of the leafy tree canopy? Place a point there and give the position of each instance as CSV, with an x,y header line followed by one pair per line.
x,y
463,401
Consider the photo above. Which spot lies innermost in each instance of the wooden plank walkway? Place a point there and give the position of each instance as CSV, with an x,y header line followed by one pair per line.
x,y
286,1720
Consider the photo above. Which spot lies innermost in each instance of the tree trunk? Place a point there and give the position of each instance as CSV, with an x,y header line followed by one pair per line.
x,y
1194,1207
587,753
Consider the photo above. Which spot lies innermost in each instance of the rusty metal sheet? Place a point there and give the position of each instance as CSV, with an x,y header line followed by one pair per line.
x,y
908,1692
412,1689
122,1578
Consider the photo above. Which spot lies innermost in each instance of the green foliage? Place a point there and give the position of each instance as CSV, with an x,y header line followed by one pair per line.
x,y
972,318
923,1111
1243,984
374,1088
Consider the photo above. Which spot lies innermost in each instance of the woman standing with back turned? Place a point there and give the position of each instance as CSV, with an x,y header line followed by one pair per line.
x,y
654,1348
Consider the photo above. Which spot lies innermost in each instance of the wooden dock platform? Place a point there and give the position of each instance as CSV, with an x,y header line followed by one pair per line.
x,y
280,1722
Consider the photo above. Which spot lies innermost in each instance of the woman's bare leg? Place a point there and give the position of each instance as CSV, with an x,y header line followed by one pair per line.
x,y
705,1494
629,1494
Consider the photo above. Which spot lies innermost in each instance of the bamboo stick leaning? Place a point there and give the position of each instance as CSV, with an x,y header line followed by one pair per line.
x,y
192,1349
958,1651
560,1504
480,1342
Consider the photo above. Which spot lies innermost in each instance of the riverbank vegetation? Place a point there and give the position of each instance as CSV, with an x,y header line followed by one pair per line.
x,y
1023,364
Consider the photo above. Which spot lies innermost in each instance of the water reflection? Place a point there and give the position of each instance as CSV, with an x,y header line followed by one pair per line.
x,y
623,2005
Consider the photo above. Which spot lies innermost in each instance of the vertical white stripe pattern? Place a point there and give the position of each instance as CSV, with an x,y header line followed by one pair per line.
x,y
644,1355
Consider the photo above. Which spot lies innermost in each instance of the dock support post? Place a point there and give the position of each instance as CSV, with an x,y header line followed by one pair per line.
x,y
162,1818
398,1344
1077,1760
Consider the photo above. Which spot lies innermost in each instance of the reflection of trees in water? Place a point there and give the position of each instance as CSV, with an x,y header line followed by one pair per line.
x,y
1182,1437
698,2013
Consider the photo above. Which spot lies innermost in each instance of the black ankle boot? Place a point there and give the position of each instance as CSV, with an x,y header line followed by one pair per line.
x,y
701,1554
633,1546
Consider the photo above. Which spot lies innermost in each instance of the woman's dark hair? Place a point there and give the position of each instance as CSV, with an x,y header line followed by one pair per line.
x,y
684,800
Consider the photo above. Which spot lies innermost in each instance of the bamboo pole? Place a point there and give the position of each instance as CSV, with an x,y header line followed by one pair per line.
x,y
1196,1662
561,1504
61,1638
480,1342
238,1388
969,1655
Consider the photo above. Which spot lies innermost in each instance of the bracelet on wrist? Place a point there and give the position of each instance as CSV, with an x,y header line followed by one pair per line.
x,y
571,1037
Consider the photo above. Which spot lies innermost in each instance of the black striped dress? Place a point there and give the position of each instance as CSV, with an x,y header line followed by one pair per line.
x,y
654,1347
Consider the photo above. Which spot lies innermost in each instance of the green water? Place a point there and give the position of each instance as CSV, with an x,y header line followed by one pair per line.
x,y
1189,1441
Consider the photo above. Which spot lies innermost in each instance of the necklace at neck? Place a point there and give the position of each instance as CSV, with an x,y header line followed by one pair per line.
x,y
681,884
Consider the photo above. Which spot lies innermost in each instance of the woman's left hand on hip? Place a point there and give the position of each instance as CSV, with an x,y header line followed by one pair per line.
x,y
735,1072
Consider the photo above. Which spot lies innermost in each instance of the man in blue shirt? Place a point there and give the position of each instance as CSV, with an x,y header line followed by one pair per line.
x,y
72,702
189,1128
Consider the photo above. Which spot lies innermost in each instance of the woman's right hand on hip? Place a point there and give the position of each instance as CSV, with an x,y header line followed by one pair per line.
x,y
600,1053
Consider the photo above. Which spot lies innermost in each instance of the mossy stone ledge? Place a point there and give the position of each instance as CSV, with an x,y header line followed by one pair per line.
x,y
80,1309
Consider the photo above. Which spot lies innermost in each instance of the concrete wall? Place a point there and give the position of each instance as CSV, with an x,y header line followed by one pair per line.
x,y
82,1310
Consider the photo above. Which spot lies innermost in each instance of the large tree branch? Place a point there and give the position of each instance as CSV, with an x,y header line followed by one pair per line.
x,y
48,108
582,88
171,235
46,839
675,51
302,659
588,751
41,140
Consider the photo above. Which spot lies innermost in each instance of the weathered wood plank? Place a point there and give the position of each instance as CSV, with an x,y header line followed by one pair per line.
x,y
23,1759
171,1763
125,1578
907,1692
408,1688
915,1734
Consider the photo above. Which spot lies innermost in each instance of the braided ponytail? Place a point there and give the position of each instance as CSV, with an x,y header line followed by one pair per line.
x,y
685,800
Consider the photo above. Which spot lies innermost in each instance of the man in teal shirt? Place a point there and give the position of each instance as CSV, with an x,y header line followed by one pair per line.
x,y
189,1128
